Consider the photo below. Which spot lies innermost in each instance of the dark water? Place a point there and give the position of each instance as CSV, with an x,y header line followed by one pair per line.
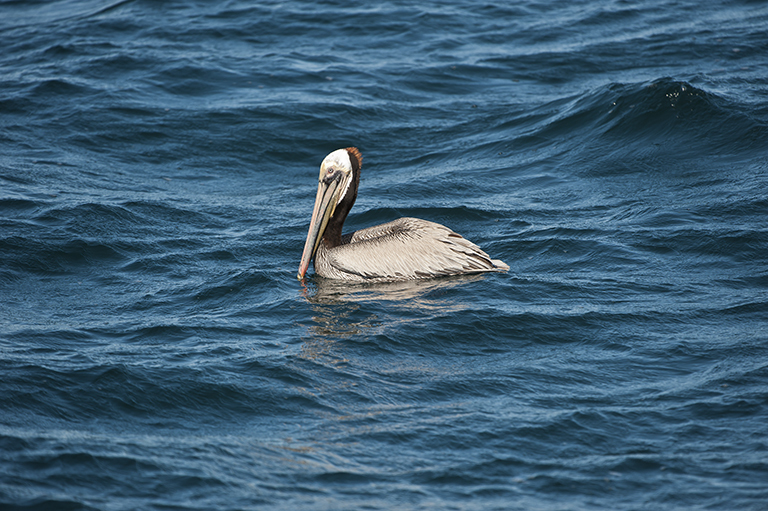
x,y
158,163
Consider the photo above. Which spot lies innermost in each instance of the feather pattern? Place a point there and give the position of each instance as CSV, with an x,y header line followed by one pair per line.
x,y
405,249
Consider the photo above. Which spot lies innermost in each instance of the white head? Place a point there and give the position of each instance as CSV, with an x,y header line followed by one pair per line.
x,y
337,162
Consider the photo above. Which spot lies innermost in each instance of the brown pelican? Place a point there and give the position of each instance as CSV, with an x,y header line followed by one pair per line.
x,y
405,249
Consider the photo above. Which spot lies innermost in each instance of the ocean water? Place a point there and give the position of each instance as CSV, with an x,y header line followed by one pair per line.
x,y
158,165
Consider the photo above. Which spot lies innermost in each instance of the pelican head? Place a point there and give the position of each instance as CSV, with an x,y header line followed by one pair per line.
x,y
339,177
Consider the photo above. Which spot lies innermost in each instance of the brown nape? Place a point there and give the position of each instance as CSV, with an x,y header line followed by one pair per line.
x,y
332,235
355,158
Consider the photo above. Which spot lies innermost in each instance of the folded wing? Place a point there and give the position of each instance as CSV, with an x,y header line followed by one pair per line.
x,y
408,248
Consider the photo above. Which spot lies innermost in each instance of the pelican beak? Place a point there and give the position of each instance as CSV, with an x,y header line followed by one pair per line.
x,y
328,192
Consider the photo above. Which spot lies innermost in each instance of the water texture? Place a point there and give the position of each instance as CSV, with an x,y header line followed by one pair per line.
x,y
158,164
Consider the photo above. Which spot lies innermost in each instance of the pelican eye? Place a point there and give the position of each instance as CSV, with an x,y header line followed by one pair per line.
x,y
330,174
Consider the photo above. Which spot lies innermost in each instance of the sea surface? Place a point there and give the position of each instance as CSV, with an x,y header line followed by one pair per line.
x,y
158,167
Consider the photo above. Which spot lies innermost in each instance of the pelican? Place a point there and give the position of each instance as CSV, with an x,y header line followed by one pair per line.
x,y
405,249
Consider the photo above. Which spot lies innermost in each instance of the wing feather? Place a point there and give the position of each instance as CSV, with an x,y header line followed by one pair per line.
x,y
408,248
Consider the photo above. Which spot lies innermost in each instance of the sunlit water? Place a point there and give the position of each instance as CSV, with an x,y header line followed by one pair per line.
x,y
158,167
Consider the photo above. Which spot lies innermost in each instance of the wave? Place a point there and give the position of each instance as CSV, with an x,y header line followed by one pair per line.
x,y
665,115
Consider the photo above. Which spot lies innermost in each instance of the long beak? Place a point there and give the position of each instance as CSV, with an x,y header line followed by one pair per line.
x,y
325,205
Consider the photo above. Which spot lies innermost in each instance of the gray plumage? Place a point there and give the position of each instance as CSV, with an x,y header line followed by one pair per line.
x,y
405,249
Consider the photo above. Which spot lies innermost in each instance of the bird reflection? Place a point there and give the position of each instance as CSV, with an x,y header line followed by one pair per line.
x,y
342,309
412,294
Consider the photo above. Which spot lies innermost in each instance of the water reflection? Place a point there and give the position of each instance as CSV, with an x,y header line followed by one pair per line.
x,y
426,293
344,309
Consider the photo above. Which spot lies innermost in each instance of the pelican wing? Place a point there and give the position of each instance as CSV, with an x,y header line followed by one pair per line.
x,y
408,248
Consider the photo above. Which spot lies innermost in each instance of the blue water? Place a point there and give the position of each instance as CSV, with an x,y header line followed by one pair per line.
x,y
158,165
